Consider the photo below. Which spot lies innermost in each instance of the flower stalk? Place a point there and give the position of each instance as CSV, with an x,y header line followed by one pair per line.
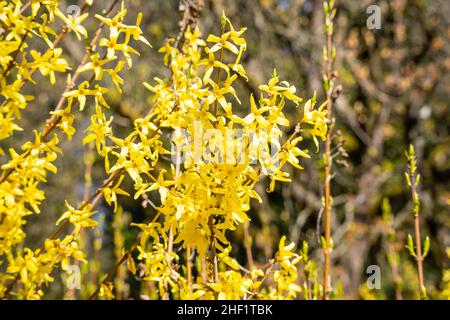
x,y
329,53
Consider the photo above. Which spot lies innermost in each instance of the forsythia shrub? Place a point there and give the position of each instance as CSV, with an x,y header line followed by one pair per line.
x,y
196,148
210,189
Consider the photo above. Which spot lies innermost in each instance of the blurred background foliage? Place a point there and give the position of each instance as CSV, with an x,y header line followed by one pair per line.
x,y
395,91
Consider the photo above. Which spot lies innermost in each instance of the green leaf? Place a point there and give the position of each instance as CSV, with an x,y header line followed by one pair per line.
x,y
325,7
408,180
410,246
324,243
387,211
417,180
424,295
305,249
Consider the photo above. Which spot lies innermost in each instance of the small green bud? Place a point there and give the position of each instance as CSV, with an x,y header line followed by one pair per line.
x,y
426,246
410,246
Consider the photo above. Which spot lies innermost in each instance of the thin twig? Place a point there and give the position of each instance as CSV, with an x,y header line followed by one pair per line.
x,y
122,260
419,257
328,159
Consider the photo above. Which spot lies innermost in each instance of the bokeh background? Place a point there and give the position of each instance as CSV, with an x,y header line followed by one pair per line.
x,y
395,91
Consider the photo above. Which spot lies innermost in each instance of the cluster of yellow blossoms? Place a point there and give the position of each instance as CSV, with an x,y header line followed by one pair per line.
x,y
212,181
21,175
220,153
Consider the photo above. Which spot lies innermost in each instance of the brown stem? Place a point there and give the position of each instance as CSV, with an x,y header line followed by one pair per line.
x,y
54,120
395,271
327,249
213,258
204,271
248,246
16,54
419,257
114,269
88,171
271,263
308,286
177,174
189,265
